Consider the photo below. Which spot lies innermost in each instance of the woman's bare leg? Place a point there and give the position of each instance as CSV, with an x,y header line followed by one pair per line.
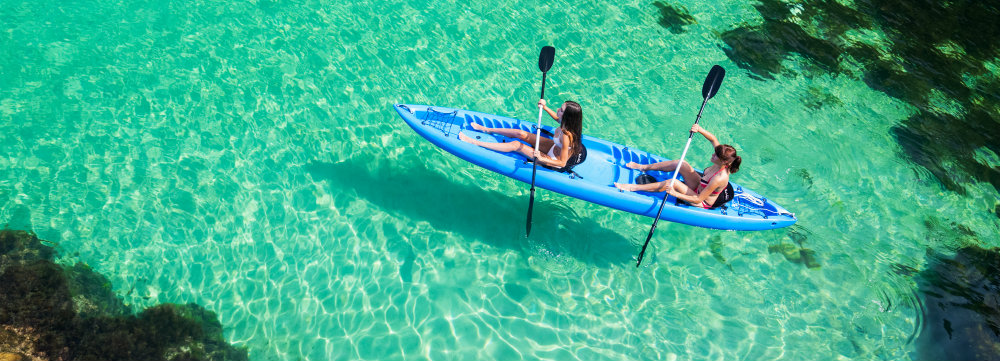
x,y
648,187
655,187
507,132
680,187
691,178
668,166
683,188
543,143
500,147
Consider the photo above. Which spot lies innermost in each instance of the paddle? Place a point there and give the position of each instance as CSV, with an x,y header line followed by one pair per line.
x,y
545,59
712,82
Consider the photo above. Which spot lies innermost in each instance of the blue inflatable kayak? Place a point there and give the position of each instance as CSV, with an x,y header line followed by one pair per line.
x,y
594,178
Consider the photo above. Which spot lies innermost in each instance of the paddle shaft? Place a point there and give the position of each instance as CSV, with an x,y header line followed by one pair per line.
x,y
670,185
534,163
538,130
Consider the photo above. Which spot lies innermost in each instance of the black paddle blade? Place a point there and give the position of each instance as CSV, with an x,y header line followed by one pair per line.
x,y
545,58
712,82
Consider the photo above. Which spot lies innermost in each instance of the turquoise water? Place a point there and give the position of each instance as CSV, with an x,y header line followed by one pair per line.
x,y
245,156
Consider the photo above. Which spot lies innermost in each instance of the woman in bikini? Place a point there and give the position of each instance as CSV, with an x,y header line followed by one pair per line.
x,y
558,150
697,190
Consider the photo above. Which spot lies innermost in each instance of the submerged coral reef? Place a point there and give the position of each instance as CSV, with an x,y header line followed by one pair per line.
x,y
50,311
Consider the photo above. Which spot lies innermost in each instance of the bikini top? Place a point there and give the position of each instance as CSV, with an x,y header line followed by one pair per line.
x,y
704,183
557,142
557,138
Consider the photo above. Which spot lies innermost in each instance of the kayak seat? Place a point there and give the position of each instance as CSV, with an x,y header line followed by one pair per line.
x,y
724,197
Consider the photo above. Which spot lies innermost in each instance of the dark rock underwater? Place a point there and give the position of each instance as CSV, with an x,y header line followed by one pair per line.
x,y
50,311
939,57
942,59
962,306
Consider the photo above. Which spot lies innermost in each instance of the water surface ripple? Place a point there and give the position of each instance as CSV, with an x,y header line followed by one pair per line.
x,y
245,157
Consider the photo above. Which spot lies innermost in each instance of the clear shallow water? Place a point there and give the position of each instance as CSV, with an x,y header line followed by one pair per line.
x,y
246,157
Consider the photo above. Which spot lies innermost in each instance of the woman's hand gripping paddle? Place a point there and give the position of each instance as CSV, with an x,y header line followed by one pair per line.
x,y
712,82
545,59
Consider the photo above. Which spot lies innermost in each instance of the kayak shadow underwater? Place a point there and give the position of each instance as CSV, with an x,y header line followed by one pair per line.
x,y
466,209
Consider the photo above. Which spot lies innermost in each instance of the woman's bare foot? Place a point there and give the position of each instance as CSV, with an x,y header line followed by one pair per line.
x,y
634,165
466,138
628,187
479,127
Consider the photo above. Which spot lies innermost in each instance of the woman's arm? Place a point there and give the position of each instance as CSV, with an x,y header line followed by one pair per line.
x,y
552,113
711,137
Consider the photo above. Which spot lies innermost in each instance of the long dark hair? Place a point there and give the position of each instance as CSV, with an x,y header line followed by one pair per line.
x,y
572,121
727,154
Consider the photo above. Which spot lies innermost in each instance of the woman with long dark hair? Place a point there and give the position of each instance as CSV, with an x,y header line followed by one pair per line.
x,y
697,189
555,152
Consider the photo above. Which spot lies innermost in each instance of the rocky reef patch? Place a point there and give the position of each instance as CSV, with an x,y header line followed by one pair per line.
x,y
50,311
